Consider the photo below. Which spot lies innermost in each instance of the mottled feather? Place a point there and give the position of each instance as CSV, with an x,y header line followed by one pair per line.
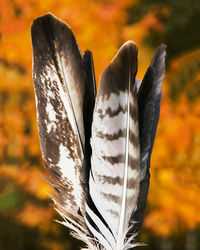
x,y
59,89
59,81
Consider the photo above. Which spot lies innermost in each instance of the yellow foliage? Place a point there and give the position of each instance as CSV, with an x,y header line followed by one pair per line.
x,y
28,178
33,215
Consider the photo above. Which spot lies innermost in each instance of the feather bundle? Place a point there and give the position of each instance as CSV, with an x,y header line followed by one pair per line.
x,y
96,147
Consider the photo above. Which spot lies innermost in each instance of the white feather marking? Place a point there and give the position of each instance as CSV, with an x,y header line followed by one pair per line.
x,y
67,167
115,123
51,117
133,173
130,191
51,112
50,126
113,102
113,148
111,189
105,168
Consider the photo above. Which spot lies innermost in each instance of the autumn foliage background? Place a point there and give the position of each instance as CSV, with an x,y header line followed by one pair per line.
x,y
173,212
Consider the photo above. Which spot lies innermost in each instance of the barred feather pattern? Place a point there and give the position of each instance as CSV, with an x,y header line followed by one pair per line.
x,y
114,176
96,148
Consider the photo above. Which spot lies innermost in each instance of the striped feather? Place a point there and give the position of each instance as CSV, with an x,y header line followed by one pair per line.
x,y
114,176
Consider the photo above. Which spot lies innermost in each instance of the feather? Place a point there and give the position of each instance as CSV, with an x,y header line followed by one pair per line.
x,y
114,175
149,96
59,88
59,82
96,148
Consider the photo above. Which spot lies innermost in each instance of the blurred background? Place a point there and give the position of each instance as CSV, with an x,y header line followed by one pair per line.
x,y
173,212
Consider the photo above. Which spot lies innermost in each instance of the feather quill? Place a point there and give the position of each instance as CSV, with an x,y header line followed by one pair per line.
x,y
96,147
